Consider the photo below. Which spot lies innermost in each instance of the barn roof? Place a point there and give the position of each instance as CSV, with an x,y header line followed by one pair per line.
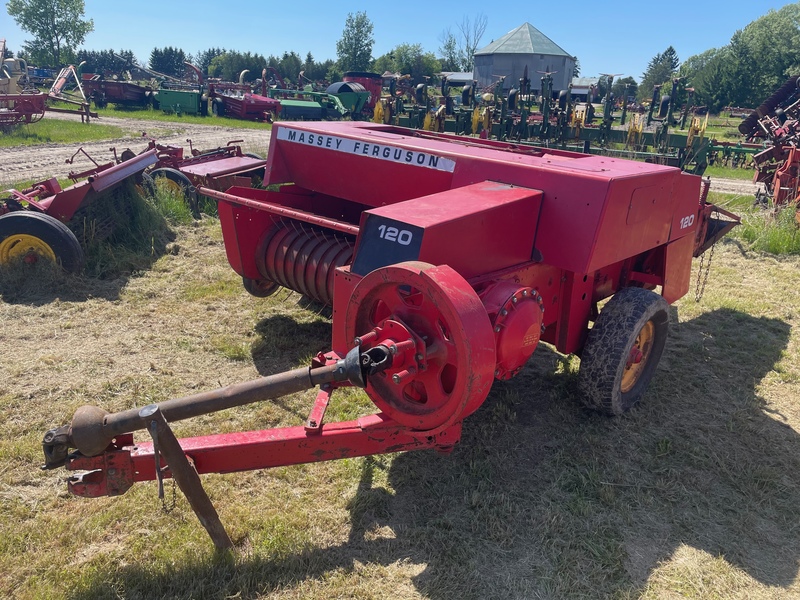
x,y
525,39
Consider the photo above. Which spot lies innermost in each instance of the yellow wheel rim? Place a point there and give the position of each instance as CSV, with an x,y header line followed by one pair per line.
x,y
637,358
24,247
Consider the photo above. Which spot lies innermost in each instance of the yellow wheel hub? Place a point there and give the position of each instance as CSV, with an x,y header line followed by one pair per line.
x,y
24,247
637,359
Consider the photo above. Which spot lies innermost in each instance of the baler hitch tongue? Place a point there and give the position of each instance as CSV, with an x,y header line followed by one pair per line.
x,y
93,430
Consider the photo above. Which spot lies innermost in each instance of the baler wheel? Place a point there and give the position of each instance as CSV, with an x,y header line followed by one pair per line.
x,y
455,361
176,183
623,350
32,236
260,288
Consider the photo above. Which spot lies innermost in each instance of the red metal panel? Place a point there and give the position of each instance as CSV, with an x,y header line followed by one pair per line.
x,y
678,268
577,188
686,195
474,229
243,229
249,450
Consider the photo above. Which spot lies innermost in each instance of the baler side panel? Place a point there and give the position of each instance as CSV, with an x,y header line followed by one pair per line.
x,y
242,229
678,268
637,217
368,173
686,194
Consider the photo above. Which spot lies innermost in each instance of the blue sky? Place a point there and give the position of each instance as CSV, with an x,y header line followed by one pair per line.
x,y
606,37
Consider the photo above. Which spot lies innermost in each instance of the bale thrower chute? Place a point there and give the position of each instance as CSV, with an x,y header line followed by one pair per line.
x,y
446,261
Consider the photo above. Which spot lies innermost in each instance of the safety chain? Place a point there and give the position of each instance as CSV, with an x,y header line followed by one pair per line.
x,y
160,474
701,288
172,503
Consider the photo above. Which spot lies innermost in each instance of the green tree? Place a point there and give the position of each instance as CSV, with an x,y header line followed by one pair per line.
x,y
205,57
618,88
57,27
451,57
168,61
659,71
354,48
229,66
409,59
106,61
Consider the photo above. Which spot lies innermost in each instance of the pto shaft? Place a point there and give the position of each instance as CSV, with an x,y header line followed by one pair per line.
x,y
93,429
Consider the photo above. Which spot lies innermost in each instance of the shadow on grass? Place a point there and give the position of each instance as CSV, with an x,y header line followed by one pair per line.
x,y
544,499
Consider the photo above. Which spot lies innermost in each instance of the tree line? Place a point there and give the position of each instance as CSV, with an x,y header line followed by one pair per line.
x,y
59,27
757,60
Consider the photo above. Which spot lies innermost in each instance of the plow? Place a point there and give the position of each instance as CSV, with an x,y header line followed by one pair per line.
x,y
440,284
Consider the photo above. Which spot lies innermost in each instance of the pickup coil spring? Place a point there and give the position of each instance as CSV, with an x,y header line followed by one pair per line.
x,y
303,258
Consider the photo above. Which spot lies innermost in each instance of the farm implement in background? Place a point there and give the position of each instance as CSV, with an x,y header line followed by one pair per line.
x,y
34,221
238,100
777,121
669,133
446,261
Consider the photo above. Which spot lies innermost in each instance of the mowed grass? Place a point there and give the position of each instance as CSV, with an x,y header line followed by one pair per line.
x,y
59,131
692,495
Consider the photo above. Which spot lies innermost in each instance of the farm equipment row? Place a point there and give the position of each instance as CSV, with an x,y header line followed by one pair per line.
x,y
446,262
563,123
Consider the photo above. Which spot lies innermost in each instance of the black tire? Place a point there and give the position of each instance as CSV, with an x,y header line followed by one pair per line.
x,y
260,288
177,181
258,173
610,379
32,236
217,107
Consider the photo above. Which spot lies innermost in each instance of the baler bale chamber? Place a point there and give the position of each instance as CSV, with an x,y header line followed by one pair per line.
x,y
446,261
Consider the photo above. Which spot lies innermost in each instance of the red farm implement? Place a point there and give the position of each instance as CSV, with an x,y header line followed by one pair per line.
x,y
446,261
238,100
778,166
33,220
218,168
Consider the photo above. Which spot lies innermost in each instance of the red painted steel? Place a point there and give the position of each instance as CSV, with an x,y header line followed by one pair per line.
x,y
113,473
453,369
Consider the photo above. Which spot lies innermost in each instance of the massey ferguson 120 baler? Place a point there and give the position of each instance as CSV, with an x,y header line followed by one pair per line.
x,y
446,261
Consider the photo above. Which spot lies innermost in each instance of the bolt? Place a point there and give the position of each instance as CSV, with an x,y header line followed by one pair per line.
x,y
497,329
404,375
312,423
418,357
514,300
524,292
503,312
112,471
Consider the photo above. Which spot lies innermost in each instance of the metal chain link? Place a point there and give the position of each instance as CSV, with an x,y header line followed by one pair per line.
x,y
700,288
173,502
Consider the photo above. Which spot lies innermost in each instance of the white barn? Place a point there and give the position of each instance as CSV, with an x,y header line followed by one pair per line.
x,y
524,46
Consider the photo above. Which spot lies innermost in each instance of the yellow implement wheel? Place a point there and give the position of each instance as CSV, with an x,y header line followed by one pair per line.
x,y
29,237
637,359
623,349
22,246
177,184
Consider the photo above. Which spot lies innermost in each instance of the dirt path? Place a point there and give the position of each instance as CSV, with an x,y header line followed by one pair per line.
x,y
49,160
